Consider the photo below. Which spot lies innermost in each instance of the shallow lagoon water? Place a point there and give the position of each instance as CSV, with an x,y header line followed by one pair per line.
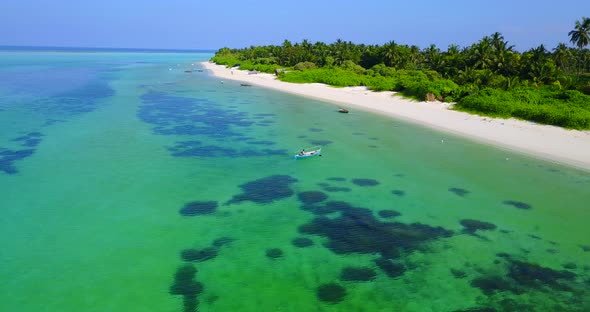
x,y
103,154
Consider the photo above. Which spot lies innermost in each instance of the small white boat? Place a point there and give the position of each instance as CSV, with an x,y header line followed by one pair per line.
x,y
310,152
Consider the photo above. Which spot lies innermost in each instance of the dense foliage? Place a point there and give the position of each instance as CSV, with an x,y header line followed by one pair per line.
x,y
488,77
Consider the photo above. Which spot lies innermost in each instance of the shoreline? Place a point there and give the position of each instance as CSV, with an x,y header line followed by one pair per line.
x,y
551,143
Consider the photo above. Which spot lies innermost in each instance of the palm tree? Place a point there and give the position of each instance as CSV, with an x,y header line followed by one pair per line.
x,y
580,36
562,55
389,53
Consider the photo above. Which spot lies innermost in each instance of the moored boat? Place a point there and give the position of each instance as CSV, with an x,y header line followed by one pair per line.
x,y
310,152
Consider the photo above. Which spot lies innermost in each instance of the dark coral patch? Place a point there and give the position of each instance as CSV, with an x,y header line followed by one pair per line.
x,y
199,255
173,115
391,268
265,190
186,286
198,149
470,226
399,193
389,213
274,253
198,208
458,273
320,142
333,189
517,204
585,248
477,309
337,179
491,284
570,266
262,142
302,242
535,276
264,114
312,197
183,281
222,241
358,231
331,293
365,182
329,207
523,276
8,157
459,191
356,274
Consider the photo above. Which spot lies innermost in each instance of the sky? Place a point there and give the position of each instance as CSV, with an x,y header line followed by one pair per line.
x,y
199,24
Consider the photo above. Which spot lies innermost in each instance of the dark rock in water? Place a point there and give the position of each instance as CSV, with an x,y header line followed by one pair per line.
x,y
261,143
184,283
312,197
535,236
199,208
315,130
31,142
491,284
190,303
338,179
8,157
517,305
358,231
329,188
320,142
329,207
186,286
222,241
198,149
570,266
503,255
365,182
459,191
552,251
523,277
470,226
535,276
265,190
399,193
274,253
458,273
302,242
355,274
196,255
477,309
331,293
389,213
585,248
392,269
517,204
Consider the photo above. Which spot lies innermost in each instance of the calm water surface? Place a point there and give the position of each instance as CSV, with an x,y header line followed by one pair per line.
x,y
129,185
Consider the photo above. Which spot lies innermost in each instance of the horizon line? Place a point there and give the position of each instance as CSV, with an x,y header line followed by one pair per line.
x,y
27,48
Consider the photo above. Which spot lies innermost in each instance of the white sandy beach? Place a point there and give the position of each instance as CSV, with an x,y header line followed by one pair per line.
x,y
552,143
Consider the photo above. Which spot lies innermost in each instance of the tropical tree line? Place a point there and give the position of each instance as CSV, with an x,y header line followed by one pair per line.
x,y
488,77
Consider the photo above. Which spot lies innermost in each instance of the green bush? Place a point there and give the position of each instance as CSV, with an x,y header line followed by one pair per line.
x,y
304,66
570,109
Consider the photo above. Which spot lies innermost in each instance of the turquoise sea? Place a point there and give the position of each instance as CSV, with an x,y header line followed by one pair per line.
x,y
127,184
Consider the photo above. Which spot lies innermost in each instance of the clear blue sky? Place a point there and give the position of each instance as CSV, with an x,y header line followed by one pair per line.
x,y
198,24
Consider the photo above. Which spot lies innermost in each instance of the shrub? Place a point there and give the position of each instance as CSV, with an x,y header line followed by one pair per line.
x,y
304,66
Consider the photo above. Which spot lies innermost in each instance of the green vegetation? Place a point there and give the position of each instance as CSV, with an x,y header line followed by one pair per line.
x,y
489,77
